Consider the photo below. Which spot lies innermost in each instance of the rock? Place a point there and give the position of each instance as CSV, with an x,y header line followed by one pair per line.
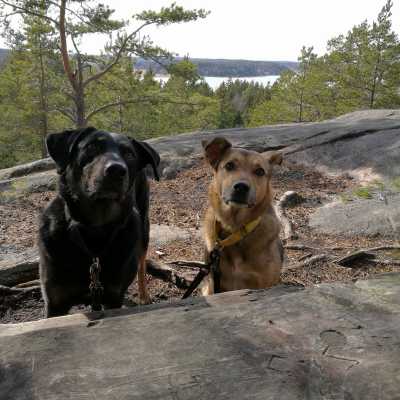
x,y
364,144
368,217
24,266
161,235
291,199
19,267
12,189
45,164
335,341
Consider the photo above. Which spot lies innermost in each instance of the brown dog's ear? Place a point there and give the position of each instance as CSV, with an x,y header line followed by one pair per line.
x,y
274,157
147,155
60,145
215,149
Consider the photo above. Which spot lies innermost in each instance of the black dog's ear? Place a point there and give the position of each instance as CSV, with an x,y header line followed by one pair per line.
x,y
60,145
147,155
215,149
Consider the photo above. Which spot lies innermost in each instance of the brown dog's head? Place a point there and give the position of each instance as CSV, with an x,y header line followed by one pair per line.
x,y
241,177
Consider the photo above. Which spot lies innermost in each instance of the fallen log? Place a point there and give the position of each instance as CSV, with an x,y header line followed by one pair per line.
x,y
180,279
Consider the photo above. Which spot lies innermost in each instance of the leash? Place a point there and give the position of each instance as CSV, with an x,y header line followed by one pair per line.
x,y
96,288
214,257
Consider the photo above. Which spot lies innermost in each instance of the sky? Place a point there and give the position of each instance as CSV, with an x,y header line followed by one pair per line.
x,y
254,29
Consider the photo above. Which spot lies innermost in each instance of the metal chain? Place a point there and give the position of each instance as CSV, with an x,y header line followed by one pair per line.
x,y
95,286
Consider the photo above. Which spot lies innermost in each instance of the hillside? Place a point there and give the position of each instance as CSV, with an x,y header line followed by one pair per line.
x,y
215,67
3,55
231,68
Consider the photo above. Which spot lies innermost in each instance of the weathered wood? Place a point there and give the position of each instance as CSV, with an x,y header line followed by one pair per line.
x,y
334,341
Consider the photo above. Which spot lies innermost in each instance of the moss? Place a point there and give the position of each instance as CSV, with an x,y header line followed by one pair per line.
x,y
364,192
395,184
345,197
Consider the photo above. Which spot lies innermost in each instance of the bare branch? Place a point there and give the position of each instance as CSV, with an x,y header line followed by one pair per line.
x,y
117,57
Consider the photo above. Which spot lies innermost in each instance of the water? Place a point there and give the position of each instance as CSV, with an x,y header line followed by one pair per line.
x,y
215,81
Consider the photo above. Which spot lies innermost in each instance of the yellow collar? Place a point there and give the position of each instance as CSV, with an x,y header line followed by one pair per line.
x,y
234,237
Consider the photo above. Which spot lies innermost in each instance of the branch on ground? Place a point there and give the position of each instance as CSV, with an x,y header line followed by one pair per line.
x,y
287,199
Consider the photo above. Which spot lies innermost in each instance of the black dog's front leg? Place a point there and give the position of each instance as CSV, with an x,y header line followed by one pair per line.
x,y
55,306
113,297
57,299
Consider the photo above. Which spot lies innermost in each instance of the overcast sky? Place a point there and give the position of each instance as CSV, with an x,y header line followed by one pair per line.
x,y
255,29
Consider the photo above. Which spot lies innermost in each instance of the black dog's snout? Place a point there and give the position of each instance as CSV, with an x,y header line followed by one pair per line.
x,y
116,170
241,188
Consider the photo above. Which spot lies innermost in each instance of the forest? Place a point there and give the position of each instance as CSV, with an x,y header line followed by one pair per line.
x,y
47,84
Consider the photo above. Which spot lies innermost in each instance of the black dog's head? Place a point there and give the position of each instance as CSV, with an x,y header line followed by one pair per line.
x,y
99,165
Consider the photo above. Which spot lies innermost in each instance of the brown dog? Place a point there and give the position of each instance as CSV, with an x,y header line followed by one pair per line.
x,y
241,213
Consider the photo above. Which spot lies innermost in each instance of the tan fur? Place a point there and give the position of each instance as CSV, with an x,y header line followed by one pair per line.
x,y
255,262
144,297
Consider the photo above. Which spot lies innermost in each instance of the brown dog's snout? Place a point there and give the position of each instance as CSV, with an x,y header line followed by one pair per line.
x,y
241,188
239,193
114,169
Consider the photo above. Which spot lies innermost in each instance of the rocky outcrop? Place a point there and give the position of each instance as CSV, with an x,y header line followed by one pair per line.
x,y
26,169
357,143
363,144
15,188
369,217
334,341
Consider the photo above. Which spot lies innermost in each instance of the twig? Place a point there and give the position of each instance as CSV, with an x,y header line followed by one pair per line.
x,y
187,263
305,256
308,262
304,247
34,283
394,263
8,291
301,247
382,248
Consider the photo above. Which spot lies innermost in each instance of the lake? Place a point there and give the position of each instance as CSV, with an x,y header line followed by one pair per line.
x,y
215,81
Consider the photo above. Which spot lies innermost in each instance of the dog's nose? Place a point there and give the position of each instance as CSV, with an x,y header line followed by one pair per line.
x,y
241,187
116,170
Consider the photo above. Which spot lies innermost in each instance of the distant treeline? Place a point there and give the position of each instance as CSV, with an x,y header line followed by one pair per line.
x,y
3,55
212,67
220,67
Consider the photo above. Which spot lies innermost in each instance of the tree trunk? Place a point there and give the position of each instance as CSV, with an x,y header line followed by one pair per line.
x,y
43,102
80,120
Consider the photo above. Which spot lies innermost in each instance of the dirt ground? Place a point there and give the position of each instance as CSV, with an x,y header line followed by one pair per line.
x,y
181,202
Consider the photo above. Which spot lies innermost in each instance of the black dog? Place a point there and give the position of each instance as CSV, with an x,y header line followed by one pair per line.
x,y
95,233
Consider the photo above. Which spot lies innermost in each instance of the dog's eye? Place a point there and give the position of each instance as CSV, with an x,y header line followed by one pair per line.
x,y
92,149
259,172
230,166
128,154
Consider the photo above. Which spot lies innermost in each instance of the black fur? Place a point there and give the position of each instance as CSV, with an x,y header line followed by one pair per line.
x,y
103,202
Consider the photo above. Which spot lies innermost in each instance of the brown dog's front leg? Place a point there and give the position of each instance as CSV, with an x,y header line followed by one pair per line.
x,y
144,297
